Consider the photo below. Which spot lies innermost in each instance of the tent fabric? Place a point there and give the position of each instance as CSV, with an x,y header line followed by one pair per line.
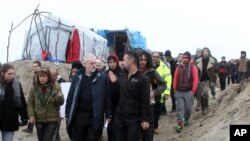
x,y
73,49
50,38
136,40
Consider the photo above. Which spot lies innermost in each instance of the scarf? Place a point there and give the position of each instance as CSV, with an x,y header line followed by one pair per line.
x,y
43,93
17,93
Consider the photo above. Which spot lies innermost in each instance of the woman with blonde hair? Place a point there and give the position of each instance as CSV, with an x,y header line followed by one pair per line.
x,y
45,99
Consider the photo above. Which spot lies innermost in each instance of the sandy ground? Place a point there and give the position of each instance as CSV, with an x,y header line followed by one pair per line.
x,y
229,107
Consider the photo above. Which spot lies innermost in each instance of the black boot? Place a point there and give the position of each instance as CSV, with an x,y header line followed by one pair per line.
x,y
29,128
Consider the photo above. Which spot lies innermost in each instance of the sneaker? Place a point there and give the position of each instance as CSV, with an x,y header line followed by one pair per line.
x,y
156,131
28,130
178,129
186,123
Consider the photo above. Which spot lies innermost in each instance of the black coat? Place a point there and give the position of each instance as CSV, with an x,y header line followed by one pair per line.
x,y
134,97
9,113
100,98
115,88
233,69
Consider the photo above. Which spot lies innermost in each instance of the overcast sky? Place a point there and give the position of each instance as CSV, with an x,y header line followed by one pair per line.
x,y
177,25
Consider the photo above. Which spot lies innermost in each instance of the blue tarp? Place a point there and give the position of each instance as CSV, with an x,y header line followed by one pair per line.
x,y
136,40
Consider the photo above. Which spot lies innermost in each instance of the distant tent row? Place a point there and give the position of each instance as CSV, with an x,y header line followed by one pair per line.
x,y
57,40
120,41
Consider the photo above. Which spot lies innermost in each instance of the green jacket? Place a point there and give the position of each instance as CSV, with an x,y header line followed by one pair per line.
x,y
45,108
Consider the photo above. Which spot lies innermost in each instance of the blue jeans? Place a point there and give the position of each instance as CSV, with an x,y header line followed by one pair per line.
x,y
7,136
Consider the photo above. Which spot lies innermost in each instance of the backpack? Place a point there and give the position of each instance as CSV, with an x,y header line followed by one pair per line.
x,y
222,67
222,70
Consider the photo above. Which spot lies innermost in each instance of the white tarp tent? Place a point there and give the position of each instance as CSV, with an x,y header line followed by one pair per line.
x,y
51,34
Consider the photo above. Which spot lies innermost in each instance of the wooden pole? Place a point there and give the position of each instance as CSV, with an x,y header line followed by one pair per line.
x,y
8,46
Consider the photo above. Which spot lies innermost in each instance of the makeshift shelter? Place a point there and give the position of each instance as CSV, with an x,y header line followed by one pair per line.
x,y
120,41
54,39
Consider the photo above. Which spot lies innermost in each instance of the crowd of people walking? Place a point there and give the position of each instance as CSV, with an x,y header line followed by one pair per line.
x,y
128,96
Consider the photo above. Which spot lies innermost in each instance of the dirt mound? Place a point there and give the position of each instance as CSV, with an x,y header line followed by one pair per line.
x,y
231,107
25,74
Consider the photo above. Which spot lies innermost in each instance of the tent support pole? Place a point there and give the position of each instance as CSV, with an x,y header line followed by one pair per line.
x,y
8,46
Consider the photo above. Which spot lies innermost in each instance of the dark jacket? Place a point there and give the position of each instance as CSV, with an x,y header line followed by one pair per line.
x,y
157,83
9,111
134,98
173,66
60,79
233,69
115,88
100,96
224,68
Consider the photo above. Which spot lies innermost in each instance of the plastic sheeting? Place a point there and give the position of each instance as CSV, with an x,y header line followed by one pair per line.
x,y
52,34
136,40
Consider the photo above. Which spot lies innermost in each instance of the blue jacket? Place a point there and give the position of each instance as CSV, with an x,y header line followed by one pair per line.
x,y
100,95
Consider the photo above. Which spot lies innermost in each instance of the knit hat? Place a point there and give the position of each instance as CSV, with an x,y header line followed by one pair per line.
x,y
114,57
187,54
243,52
167,53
